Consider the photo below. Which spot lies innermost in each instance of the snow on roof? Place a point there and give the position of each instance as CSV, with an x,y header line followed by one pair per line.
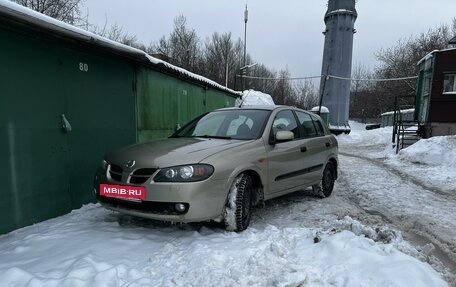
x,y
431,54
32,17
254,98
427,57
402,112
323,109
23,13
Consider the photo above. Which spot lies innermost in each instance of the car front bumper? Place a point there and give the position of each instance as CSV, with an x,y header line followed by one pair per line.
x,y
204,200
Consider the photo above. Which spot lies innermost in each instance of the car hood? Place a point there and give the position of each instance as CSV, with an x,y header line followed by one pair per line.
x,y
171,151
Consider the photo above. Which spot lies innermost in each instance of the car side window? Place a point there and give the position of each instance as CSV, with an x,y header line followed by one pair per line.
x,y
319,127
285,121
307,125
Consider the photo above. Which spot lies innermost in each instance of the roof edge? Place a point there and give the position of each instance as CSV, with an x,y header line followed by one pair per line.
x,y
23,14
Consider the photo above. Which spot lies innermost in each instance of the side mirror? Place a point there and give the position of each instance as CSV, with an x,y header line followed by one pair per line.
x,y
284,136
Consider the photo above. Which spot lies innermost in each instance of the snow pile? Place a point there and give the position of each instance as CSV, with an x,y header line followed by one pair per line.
x,y
431,162
230,211
357,126
322,109
95,247
254,98
384,235
360,136
435,151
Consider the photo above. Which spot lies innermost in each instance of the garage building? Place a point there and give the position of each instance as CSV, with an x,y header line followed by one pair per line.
x,y
67,97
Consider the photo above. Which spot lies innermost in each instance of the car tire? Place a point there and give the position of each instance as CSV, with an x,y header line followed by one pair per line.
x,y
238,208
325,187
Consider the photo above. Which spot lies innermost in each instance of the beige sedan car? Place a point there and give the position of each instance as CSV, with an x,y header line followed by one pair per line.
x,y
220,165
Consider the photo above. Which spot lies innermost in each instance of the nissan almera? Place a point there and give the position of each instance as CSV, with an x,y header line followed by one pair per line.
x,y
221,165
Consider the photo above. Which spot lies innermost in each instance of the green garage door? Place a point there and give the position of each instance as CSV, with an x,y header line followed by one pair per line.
x,y
100,106
45,171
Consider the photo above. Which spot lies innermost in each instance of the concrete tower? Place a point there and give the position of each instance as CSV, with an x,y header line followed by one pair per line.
x,y
337,61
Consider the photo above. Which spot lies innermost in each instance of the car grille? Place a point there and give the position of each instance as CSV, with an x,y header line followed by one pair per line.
x,y
115,172
139,176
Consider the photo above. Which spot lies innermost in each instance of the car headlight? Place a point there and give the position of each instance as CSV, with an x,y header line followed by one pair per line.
x,y
184,173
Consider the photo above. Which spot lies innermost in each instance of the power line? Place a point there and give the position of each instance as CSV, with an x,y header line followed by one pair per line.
x,y
330,76
373,80
278,79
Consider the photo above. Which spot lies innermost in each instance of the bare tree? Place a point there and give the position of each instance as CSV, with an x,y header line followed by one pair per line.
x,y
182,47
220,58
401,61
261,71
116,33
68,11
453,27
283,93
307,94
363,101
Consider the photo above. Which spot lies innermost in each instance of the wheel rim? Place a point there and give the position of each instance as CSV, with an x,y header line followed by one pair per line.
x,y
328,181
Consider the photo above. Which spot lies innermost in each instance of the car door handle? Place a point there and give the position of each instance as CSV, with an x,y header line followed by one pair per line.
x,y
328,144
303,149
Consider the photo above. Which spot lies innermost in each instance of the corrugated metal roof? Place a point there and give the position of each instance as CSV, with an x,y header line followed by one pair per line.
x,y
452,41
17,13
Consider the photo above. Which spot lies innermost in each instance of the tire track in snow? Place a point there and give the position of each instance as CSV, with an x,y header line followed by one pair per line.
x,y
402,175
420,227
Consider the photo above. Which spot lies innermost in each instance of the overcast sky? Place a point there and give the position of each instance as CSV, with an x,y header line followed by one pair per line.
x,y
280,34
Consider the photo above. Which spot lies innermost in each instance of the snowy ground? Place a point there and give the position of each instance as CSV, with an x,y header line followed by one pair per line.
x,y
390,222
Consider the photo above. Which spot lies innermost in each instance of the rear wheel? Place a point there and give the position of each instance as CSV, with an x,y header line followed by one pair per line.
x,y
326,185
239,204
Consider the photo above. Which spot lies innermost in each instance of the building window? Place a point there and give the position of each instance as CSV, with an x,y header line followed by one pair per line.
x,y
449,84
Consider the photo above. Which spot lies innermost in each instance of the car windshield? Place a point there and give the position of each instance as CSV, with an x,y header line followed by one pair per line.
x,y
241,124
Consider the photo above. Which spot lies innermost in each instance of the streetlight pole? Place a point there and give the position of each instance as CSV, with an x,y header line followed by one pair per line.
x,y
246,18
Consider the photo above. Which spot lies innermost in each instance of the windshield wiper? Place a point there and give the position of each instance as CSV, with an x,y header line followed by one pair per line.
x,y
213,137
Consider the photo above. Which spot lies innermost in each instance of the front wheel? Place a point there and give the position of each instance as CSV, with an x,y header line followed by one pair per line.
x,y
326,185
239,204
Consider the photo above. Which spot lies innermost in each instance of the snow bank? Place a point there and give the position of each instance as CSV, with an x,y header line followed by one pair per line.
x,y
95,247
435,151
254,98
360,136
432,162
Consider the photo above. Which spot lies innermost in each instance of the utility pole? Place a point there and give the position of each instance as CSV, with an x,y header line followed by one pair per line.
x,y
246,18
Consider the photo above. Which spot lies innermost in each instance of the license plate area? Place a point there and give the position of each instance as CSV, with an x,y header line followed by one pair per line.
x,y
123,191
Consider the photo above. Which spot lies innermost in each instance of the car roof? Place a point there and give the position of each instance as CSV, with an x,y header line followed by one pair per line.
x,y
271,108
259,107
